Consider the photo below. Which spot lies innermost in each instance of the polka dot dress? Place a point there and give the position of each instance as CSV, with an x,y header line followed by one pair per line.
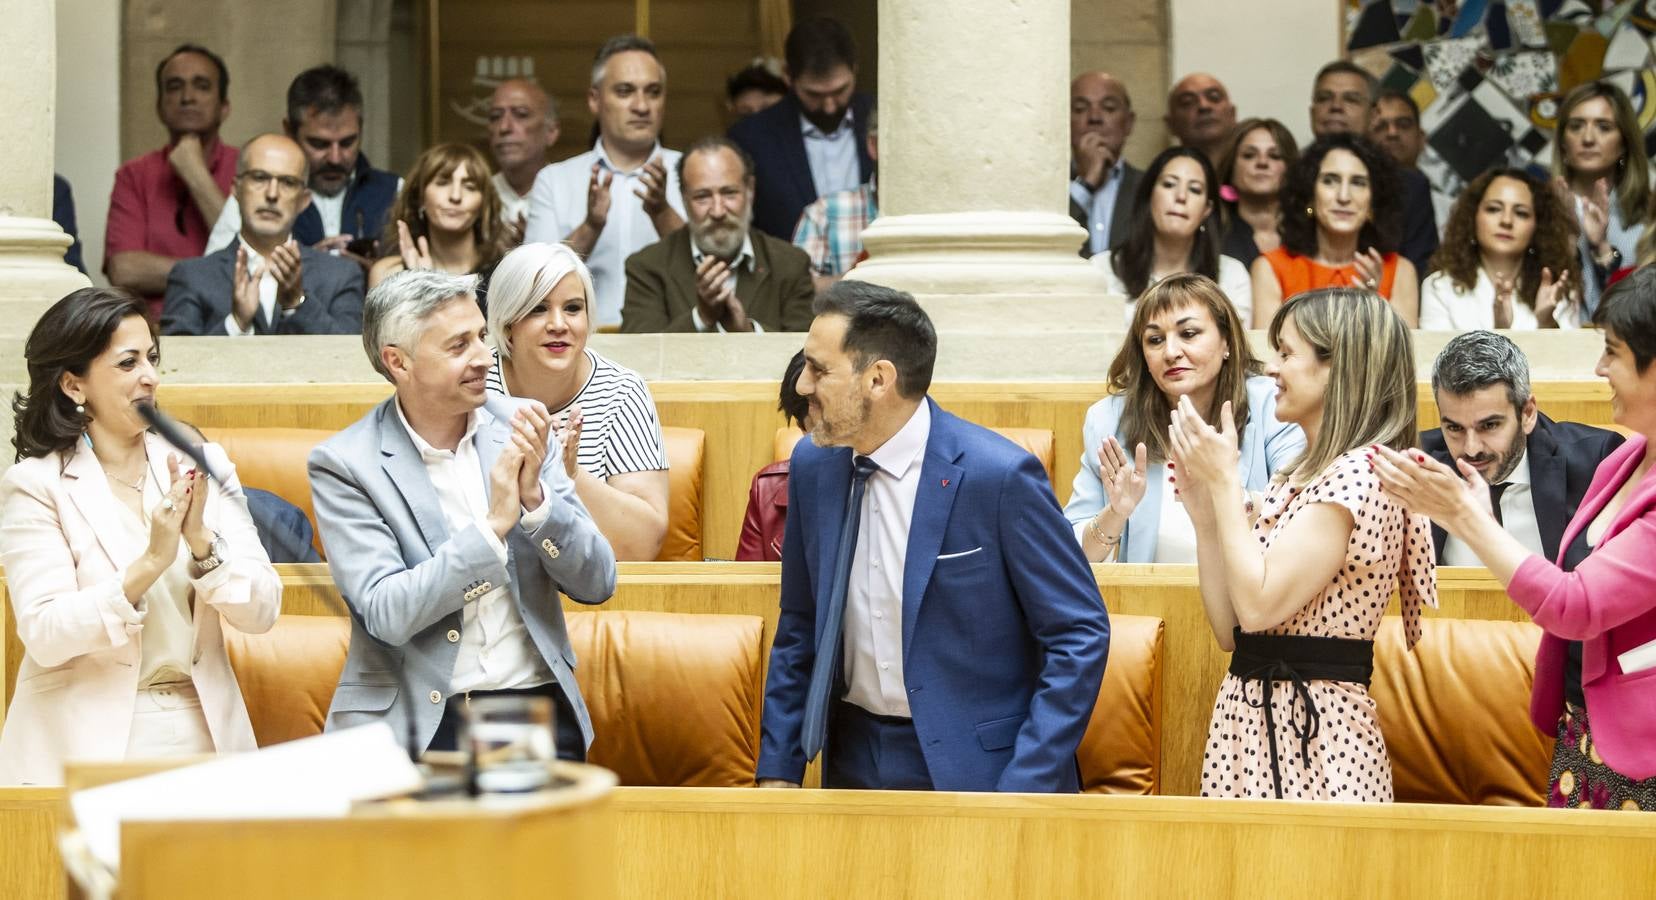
x,y
1388,548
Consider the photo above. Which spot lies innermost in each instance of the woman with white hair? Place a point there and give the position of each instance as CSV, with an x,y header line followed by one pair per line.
x,y
540,301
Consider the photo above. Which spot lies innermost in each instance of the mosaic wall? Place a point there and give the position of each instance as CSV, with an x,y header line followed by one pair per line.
x,y
1488,74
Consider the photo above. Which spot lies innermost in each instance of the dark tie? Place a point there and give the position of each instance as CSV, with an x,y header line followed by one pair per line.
x,y
1495,492
827,651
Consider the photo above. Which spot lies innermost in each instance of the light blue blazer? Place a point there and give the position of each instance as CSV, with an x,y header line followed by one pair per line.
x,y
1267,445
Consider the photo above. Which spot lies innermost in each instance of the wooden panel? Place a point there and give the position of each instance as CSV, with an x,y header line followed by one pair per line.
x,y
29,863
740,420
733,843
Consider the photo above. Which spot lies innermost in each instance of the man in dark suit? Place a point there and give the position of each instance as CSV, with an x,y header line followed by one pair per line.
x,y
1538,470
939,626
1342,100
814,142
717,273
1102,184
265,282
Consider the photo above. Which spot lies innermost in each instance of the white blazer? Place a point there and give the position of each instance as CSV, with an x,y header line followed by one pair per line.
x,y
64,567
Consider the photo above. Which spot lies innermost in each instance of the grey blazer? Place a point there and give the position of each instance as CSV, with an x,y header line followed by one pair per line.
x,y
406,578
199,296
1266,445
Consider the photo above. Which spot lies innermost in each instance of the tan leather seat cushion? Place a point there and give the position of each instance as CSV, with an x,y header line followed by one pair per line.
x,y
273,459
1455,712
1038,441
675,697
1121,752
685,459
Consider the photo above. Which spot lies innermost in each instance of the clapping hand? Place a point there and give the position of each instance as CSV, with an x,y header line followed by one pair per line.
x,y
1371,268
598,197
569,438
415,254
1429,487
1505,288
1549,296
244,297
288,268
531,427
1124,479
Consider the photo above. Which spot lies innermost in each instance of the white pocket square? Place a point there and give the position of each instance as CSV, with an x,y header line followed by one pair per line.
x,y
943,556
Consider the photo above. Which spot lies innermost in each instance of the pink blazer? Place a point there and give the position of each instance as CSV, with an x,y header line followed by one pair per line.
x,y
1609,604
64,566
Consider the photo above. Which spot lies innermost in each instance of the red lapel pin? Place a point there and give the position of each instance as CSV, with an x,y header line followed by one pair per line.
x,y
945,482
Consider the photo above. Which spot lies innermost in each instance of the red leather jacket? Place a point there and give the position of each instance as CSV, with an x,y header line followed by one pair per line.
x,y
767,512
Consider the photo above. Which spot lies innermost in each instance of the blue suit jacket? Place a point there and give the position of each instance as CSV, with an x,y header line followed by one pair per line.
x,y
782,172
1004,632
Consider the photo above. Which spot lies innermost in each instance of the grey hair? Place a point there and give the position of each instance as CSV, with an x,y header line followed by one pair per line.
x,y
623,43
1477,359
395,311
522,281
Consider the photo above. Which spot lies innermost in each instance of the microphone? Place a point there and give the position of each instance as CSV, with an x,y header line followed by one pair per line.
x,y
175,435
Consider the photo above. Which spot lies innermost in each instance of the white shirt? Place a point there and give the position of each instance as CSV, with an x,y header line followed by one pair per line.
x,y
832,155
495,650
874,600
1175,533
1099,205
742,263
1445,307
267,296
1234,281
558,205
512,203
229,223
1517,517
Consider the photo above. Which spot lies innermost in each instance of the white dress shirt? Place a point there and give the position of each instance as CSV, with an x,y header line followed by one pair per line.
x,y
874,601
743,263
1517,517
512,203
832,155
1175,533
1099,205
496,652
1445,307
267,296
558,205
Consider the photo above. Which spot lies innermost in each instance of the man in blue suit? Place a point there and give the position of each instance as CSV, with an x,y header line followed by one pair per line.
x,y
939,627
814,141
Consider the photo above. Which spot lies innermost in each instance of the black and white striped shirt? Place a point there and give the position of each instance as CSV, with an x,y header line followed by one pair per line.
x,y
620,432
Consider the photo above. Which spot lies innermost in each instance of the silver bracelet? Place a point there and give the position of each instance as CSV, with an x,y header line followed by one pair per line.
x,y
1098,535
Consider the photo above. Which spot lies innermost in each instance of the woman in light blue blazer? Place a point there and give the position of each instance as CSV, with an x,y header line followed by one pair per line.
x,y
1186,338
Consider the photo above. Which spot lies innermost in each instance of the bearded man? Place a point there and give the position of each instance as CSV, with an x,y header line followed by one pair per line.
x,y
717,273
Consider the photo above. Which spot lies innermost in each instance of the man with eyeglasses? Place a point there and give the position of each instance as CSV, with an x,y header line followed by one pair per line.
x,y
266,282
164,201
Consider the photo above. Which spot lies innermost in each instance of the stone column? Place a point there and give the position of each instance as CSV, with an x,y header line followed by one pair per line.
x,y
33,274
974,168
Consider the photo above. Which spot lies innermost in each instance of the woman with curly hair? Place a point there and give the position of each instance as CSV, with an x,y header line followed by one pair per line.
x,y
1506,259
446,217
1251,174
1341,215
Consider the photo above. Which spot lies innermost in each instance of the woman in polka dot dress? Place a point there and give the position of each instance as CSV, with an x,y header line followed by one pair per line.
x,y
1595,671
1298,594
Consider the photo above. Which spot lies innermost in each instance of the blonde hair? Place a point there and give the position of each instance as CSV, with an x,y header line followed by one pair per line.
x,y
1146,411
1631,178
522,281
1370,397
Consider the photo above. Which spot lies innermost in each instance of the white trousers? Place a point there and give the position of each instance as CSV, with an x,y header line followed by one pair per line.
x,y
167,721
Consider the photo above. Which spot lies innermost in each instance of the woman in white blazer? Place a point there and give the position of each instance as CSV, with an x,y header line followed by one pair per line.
x,y
122,563
1186,339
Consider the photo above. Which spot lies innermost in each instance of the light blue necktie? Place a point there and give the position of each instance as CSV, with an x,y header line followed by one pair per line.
x,y
828,650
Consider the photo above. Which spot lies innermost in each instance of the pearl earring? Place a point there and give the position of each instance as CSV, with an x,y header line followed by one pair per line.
x,y
79,408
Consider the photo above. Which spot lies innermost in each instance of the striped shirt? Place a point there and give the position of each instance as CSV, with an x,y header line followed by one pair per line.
x,y
619,432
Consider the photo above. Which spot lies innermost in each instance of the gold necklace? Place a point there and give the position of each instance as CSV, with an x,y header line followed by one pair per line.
x,y
131,485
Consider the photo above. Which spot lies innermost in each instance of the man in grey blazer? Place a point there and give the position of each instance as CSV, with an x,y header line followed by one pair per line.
x,y
265,282
1102,184
718,273
451,530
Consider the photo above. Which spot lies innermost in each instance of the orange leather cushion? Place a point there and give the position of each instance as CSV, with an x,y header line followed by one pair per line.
x,y
1455,712
1121,751
288,674
273,459
1038,441
685,450
675,697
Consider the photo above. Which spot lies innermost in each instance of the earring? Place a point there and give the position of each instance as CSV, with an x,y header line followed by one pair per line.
x,y
80,408
1310,213
1227,354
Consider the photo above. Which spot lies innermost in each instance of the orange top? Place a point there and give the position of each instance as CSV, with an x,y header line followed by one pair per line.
x,y
1298,274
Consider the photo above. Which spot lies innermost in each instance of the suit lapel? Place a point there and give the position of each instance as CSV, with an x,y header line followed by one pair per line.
x,y
749,284
793,151
1547,487
92,495
408,474
940,478
834,489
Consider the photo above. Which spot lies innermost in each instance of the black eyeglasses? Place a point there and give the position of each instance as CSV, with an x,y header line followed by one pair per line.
x,y
260,180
